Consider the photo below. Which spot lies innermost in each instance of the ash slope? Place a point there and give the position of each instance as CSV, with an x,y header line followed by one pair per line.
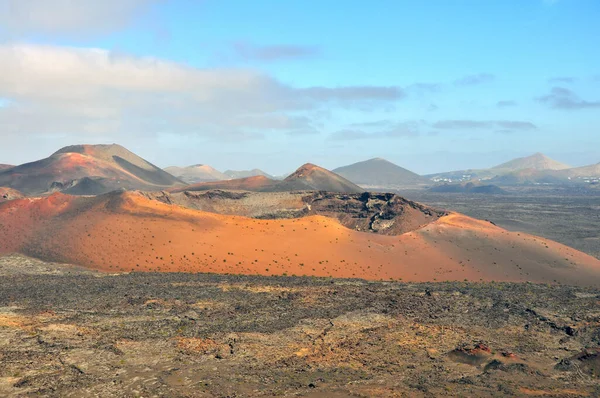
x,y
128,231
99,168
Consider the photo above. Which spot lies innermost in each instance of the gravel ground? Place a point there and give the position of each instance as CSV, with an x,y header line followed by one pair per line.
x,y
73,333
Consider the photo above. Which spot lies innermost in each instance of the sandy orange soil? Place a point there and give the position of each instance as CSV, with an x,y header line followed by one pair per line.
x,y
128,232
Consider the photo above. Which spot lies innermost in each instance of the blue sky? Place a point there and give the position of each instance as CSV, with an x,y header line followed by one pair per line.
x,y
430,85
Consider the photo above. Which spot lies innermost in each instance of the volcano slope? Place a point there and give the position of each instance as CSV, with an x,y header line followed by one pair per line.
x,y
128,231
87,170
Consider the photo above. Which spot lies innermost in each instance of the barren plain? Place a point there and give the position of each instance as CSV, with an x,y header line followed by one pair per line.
x,y
69,332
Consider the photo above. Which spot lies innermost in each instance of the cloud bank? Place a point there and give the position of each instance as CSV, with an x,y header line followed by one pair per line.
x,y
19,17
61,90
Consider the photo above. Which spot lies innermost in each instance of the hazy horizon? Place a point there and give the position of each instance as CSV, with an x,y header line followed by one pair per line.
x,y
431,86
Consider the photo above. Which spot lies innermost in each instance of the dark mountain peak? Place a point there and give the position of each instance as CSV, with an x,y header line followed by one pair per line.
x,y
379,172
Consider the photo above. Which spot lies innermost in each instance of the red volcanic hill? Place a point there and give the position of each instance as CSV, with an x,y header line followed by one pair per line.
x,y
87,169
126,231
308,177
6,166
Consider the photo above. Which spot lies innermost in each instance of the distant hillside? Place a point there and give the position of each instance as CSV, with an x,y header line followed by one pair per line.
x,y
6,166
308,177
516,171
197,173
246,173
537,161
9,194
379,172
528,177
109,166
585,171
469,187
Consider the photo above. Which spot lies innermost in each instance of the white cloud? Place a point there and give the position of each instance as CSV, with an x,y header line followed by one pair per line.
x,y
68,16
60,90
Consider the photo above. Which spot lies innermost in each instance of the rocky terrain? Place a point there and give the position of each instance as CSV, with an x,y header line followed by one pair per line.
x,y
65,332
383,213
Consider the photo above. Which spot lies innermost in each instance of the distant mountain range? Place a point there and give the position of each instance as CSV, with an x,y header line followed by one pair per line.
x,y
308,177
537,169
96,169
534,169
